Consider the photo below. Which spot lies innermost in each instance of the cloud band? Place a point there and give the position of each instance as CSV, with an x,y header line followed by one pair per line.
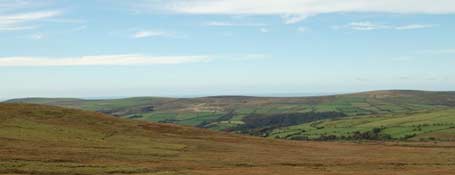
x,y
101,60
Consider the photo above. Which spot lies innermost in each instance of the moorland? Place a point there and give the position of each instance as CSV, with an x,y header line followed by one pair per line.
x,y
43,140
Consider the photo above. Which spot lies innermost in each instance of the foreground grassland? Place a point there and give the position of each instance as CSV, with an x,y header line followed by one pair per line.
x,y
46,140
347,117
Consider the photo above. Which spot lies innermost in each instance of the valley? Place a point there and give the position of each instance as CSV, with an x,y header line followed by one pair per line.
x,y
39,139
393,115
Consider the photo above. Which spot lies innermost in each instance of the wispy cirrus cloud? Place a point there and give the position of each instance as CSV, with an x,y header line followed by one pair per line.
x,y
308,6
153,33
293,11
23,14
150,33
367,25
293,19
21,21
122,60
230,24
414,26
99,60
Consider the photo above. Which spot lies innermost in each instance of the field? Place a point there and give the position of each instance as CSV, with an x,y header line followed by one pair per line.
x,y
423,126
40,139
288,117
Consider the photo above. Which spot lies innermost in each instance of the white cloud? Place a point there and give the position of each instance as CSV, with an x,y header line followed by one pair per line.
x,y
367,25
22,17
228,24
293,19
301,29
153,33
156,33
414,26
100,60
296,10
19,21
148,34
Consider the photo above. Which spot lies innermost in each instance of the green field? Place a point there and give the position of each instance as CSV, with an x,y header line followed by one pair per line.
x,y
285,117
423,126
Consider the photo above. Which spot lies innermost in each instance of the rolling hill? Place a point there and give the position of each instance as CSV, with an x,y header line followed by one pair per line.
x,y
271,117
420,126
38,139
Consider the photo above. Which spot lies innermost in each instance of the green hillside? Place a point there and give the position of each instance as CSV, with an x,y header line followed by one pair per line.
x,y
44,140
423,126
263,115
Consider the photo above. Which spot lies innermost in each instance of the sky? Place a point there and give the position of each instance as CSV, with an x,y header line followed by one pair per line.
x,y
118,48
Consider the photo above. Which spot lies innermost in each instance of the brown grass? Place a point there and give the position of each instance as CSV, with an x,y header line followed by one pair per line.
x,y
50,140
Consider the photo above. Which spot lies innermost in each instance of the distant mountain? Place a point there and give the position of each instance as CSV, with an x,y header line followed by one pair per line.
x,y
37,139
263,116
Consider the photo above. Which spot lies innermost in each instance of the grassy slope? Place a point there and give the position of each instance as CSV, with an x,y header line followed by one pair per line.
x,y
422,126
228,113
51,140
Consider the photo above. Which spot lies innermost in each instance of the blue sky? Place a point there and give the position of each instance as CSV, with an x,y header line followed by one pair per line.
x,y
105,48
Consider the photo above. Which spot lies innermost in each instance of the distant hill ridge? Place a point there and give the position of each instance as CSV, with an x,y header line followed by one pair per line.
x,y
378,92
263,116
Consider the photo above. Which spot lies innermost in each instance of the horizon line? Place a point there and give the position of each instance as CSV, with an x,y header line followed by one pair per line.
x,y
261,95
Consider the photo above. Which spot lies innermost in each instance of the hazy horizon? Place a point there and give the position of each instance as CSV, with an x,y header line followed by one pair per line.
x,y
283,94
